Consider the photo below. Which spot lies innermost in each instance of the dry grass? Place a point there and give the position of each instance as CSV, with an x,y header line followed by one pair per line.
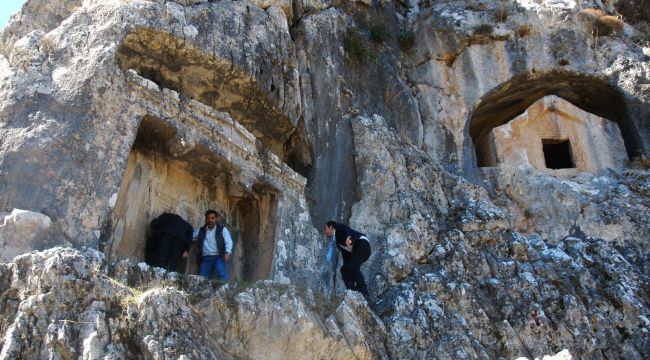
x,y
134,298
601,23
481,35
501,12
593,13
524,30
610,23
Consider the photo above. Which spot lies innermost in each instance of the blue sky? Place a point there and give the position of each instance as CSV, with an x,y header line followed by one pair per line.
x,y
8,8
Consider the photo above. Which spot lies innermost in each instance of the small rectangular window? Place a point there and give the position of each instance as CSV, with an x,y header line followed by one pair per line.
x,y
557,154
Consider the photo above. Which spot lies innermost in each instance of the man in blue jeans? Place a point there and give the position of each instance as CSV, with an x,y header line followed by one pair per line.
x,y
215,246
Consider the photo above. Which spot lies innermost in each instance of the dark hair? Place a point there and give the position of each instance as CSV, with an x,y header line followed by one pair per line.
x,y
330,223
211,212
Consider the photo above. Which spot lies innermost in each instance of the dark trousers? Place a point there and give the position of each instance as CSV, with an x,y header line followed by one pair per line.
x,y
351,269
168,249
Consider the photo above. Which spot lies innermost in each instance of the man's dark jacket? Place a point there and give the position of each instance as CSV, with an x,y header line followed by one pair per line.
x,y
172,224
221,242
342,233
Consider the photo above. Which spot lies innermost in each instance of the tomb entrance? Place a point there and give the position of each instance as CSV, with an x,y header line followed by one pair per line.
x,y
587,96
158,179
557,154
209,137
553,134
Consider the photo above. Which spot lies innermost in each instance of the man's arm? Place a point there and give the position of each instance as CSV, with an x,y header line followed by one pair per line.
x,y
342,235
228,242
189,236
195,235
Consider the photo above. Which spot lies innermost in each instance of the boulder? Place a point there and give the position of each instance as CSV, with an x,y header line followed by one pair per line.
x,y
22,231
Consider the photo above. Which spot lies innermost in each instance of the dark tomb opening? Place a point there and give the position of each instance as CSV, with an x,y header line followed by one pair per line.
x,y
557,154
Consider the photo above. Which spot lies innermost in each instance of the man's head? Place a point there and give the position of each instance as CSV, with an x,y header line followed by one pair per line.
x,y
211,218
329,228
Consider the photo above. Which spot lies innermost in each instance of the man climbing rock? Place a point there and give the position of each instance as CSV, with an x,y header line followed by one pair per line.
x,y
214,245
355,249
172,236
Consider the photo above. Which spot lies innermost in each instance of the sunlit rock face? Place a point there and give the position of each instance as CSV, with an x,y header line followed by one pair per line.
x,y
457,276
495,154
65,304
478,66
22,230
156,113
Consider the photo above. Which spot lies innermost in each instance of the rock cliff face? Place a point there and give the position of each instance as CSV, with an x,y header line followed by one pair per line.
x,y
456,277
67,304
285,114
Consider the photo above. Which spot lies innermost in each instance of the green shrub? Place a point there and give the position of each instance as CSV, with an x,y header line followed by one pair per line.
x,y
483,30
379,33
355,44
406,40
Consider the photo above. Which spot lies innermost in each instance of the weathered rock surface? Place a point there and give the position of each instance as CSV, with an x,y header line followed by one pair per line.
x,y
69,304
335,85
22,229
285,114
73,104
454,278
473,66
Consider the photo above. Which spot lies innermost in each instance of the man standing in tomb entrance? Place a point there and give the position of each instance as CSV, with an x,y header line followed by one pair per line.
x,y
172,237
214,245
355,250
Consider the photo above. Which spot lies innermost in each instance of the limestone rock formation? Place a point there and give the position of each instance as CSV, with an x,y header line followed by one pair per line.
x,y
22,230
457,279
69,304
422,123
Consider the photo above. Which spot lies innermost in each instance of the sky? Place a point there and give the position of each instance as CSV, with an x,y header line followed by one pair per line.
x,y
8,8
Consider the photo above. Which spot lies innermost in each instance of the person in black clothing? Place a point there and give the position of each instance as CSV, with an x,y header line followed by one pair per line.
x,y
355,249
172,236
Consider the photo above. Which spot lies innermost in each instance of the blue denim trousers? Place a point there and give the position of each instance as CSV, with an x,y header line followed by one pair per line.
x,y
210,263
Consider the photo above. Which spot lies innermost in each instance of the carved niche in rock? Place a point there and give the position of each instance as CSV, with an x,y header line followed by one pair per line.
x,y
554,134
159,178
189,156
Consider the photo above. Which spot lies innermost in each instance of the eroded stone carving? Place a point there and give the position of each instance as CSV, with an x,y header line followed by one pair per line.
x,y
591,142
187,158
